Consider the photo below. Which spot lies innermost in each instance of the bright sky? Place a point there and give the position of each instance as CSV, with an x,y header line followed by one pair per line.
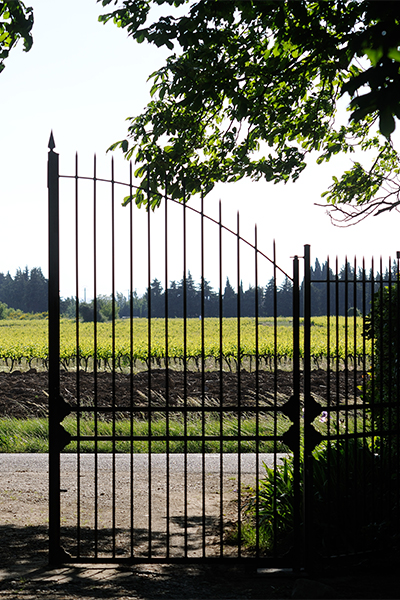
x,y
82,80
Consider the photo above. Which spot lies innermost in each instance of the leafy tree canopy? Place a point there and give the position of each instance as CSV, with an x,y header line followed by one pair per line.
x,y
251,87
16,22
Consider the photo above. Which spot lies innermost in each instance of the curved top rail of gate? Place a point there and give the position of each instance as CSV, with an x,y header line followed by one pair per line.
x,y
195,210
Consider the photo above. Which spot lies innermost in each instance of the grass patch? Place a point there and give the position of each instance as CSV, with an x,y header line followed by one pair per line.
x,y
193,434
24,435
249,538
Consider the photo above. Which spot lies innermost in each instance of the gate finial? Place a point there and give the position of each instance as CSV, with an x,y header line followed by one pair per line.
x,y
52,143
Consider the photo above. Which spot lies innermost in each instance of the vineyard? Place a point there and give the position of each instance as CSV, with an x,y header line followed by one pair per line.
x,y
123,342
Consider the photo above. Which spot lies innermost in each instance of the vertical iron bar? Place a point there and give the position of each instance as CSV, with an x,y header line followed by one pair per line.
x,y
78,361
95,379
185,398
356,502
221,390
149,316
131,374
307,468
381,394
346,402
257,390
328,337
296,394
275,516
55,554
167,403
113,357
337,372
355,349
203,384
397,428
239,400
363,391
328,387
373,384
337,499
388,423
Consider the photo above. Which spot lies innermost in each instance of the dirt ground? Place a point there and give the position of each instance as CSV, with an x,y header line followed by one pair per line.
x,y
24,394
24,508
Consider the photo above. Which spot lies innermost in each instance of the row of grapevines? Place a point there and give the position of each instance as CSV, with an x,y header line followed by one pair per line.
x,y
127,342
123,341
345,336
22,339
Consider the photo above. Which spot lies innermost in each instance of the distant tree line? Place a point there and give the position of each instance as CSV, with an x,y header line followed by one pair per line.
x,y
27,291
350,290
337,291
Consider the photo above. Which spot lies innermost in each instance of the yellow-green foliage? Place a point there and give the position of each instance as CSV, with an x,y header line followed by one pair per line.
x,y
24,339
29,339
345,338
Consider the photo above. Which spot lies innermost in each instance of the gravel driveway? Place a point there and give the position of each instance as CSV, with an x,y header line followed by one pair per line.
x,y
181,512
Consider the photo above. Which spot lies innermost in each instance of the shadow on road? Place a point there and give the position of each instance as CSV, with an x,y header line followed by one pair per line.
x,y
24,573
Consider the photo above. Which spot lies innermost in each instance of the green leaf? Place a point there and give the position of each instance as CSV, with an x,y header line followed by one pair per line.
x,y
127,200
114,146
140,171
394,54
374,54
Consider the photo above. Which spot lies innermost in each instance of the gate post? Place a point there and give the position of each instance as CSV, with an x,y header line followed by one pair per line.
x,y
57,410
307,446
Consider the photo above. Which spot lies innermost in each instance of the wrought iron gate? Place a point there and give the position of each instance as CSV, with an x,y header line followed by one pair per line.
x,y
167,452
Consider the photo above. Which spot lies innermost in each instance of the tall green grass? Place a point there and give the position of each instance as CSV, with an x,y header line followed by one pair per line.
x,y
176,436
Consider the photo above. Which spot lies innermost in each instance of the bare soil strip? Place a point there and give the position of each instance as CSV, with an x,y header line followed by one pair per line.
x,y
24,394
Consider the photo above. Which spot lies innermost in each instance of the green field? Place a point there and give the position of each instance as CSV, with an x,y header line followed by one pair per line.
x,y
26,340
